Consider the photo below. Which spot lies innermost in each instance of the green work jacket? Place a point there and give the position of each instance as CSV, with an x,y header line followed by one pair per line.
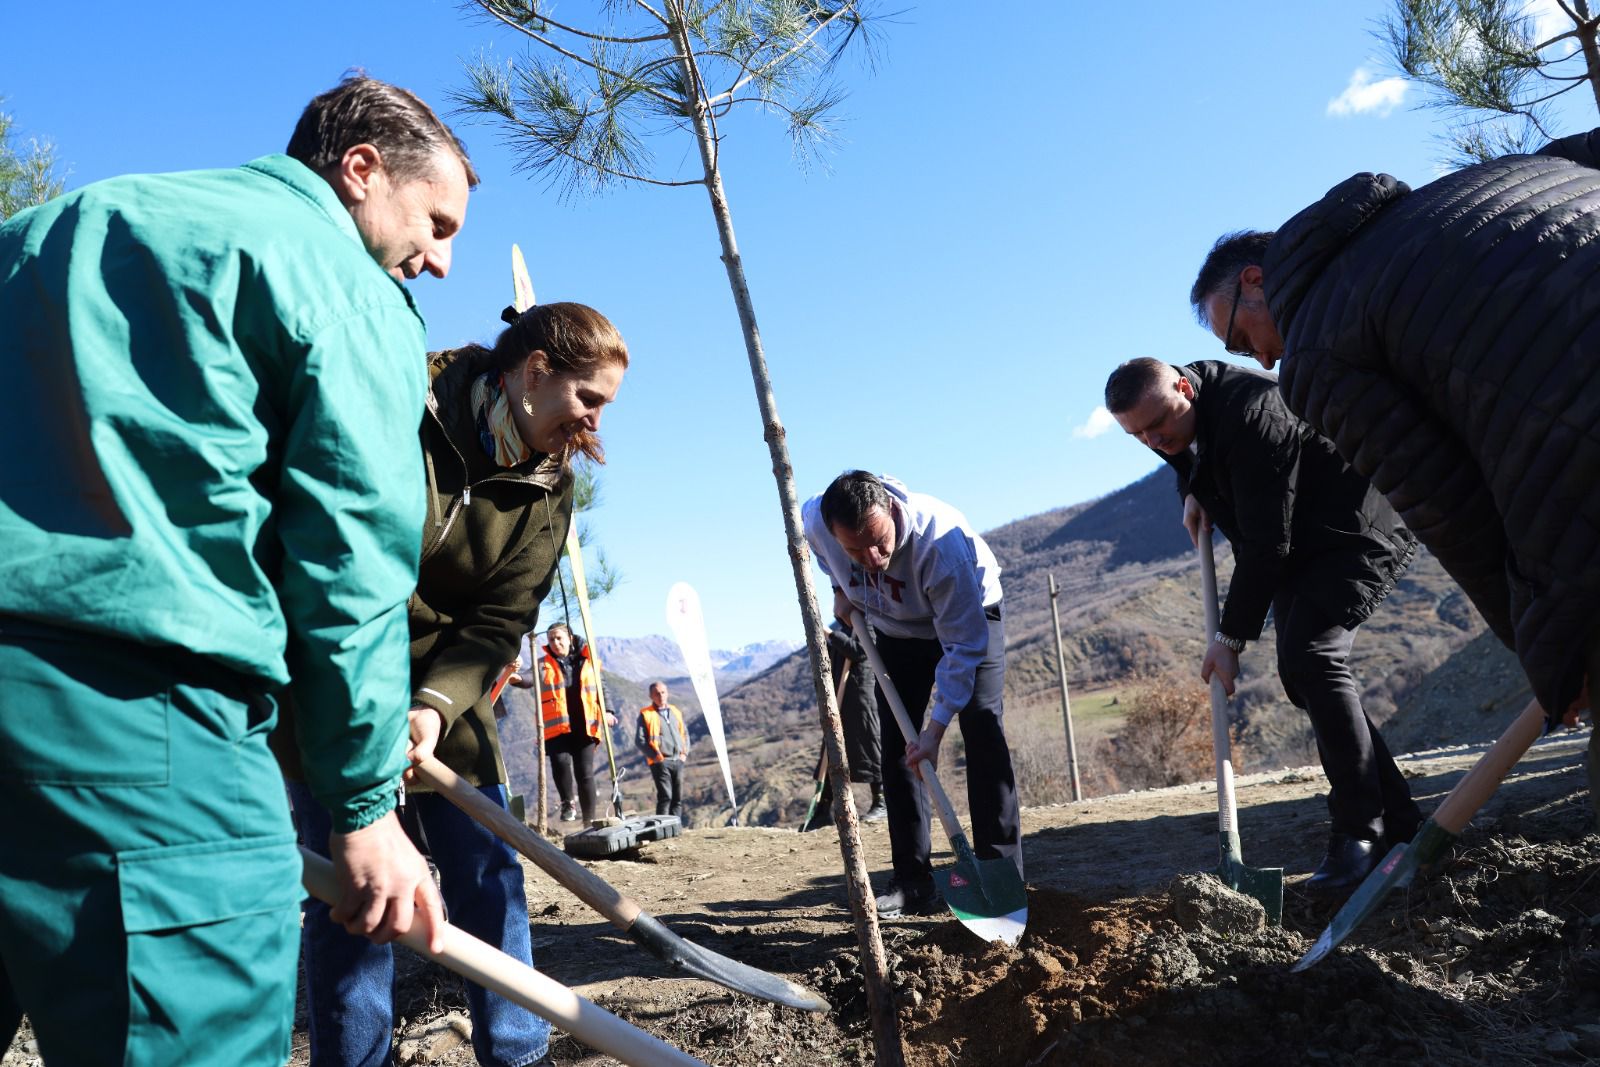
x,y
211,445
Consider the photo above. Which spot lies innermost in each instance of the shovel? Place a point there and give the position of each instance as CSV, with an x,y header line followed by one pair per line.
x,y
623,912
517,982
1263,883
987,896
1436,835
822,761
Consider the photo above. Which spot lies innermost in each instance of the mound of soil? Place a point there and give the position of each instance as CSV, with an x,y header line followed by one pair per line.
x,y
1130,958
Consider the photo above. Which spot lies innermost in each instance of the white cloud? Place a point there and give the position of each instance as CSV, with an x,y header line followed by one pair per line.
x,y
1100,421
1368,94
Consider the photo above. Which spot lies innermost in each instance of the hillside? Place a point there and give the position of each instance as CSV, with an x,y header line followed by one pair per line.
x,y
644,659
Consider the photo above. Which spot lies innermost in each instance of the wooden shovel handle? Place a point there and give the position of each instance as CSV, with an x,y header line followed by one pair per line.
x,y
583,883
481,962
947,812
1474,790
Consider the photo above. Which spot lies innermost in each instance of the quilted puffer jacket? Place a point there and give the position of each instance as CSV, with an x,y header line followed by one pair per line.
x,y
1448,341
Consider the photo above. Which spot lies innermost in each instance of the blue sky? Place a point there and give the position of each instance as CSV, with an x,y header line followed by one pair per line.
x,y
1017,203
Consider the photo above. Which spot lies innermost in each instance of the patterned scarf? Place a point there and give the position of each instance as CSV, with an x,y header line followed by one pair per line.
x,y
497,430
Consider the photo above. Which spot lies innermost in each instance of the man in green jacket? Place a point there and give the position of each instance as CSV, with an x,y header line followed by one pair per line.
x,y
212,491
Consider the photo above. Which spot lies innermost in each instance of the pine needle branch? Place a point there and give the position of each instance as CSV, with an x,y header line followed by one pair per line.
x,y
493,9
658,16
523,13
583,144
774,64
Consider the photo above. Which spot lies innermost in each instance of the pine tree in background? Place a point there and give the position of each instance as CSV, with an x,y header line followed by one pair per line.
x,y
1498,64
582,110
27,174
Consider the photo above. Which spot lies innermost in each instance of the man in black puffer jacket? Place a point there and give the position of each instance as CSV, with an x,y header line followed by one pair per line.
x,y
1448,341
1311,540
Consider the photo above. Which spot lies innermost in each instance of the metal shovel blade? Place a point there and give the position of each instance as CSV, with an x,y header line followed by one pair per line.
x,y
987,896
1396,870
623,912
654,937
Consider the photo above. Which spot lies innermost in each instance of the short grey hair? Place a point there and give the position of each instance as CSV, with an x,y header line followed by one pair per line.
x,y
1232,253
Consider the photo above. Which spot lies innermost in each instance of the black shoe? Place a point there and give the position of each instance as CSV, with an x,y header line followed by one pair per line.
x,y
876,813
918,900
1349,860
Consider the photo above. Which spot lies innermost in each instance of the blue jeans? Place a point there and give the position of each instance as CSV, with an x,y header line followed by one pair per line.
x,y
350,981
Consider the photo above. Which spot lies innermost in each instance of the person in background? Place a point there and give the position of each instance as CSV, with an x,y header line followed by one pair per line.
x,y
569,699
664,740
858,714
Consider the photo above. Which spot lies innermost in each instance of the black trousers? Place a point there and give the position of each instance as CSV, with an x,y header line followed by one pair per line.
x,y
991,785
858,711
572,766
1366,791
668,776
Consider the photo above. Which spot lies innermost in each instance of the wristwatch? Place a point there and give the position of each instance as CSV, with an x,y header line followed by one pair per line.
x,y
1234,643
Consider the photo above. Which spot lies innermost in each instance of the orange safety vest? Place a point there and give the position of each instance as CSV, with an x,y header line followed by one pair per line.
x,y
553,698
650,719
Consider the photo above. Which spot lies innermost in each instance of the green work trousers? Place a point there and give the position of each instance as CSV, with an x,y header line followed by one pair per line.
x,y
149,880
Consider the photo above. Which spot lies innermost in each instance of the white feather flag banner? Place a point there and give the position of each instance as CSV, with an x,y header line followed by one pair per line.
x,y
689,627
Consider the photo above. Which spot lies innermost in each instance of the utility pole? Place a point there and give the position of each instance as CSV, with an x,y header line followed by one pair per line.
x,y
1066,702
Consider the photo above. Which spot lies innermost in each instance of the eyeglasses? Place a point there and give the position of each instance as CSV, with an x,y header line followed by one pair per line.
x,y
1227,335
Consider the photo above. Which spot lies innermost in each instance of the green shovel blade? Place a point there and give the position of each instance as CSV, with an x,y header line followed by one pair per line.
x,y
987,896
1397,869
810,822
1265,884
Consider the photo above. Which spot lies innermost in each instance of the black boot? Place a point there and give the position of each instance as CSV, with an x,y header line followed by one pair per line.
x,y
1349,860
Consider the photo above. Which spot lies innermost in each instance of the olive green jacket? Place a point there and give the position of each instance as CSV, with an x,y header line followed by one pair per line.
x,y
490,546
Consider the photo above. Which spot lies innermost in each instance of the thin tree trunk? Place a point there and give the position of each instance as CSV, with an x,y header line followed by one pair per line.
x,y
874,964
538,720
1591,49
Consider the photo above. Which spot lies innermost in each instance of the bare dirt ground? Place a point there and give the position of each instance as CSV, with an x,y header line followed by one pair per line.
x,y
1495,957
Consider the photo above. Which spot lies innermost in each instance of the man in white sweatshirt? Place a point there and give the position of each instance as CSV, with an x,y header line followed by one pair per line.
x,y
930,587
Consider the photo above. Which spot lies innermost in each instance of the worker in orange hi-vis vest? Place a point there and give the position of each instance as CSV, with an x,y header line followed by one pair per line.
x,y
664,740
569,699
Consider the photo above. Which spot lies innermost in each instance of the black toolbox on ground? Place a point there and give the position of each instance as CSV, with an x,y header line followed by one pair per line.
x,y
597,842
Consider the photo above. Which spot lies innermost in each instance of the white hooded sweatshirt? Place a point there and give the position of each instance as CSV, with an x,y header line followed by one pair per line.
x,y
939,580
